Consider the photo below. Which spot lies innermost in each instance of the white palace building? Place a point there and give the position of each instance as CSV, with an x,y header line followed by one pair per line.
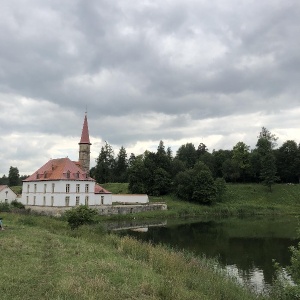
x,y
65,183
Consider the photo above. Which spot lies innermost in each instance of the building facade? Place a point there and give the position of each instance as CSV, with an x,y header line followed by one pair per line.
x,y
6,194
65,183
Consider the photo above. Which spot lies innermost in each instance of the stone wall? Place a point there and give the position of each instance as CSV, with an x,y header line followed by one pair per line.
x,y
105,210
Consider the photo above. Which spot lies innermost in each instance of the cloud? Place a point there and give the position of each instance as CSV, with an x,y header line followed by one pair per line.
x,y
178,71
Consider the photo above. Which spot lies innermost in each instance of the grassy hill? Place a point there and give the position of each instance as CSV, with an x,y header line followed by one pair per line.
x,y
41,258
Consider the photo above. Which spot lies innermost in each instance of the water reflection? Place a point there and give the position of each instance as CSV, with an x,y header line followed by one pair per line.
x,y
245,247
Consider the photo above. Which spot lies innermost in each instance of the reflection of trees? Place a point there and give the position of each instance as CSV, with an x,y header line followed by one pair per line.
x,y
229,241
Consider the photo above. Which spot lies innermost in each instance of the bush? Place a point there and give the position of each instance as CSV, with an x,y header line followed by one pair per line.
x,y
80,215
4,207
17,204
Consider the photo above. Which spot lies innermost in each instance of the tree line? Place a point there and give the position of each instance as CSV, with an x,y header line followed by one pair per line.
x,y
192,171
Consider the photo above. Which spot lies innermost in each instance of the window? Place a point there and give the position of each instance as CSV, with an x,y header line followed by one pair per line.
x,y
45,188
44,201
28,188
77,174
34,198
86,200
77,188
86,188
27,200
37,176
53,187
102,199
77,200
35,187
67,188
67,201
52,200
68,174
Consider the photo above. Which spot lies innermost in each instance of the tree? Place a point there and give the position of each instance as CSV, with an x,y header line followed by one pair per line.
x,y
267,162
240,154
105,164
13,176
267,135
163,159
162,182
219,157
196,184
184,185
268,170
204,190
121,166
287,158
136,173
187,153
202,149
230,170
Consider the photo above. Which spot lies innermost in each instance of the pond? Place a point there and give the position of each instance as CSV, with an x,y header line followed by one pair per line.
x,y
245,247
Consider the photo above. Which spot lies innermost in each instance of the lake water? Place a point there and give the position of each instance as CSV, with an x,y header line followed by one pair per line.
x,y
245,247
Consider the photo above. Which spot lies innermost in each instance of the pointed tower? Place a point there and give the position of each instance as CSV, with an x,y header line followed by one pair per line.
x,y
85,147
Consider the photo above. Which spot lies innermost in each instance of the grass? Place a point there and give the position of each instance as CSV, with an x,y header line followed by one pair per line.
x,y
116,187
41,258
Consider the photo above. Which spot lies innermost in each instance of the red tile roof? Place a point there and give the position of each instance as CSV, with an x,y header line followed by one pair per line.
x,y
100,190
2,187
59,169
85,138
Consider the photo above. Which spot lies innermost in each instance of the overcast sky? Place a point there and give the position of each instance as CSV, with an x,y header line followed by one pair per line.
x,y
176,70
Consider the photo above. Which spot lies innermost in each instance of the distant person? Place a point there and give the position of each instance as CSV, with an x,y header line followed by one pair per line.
x,y
1,224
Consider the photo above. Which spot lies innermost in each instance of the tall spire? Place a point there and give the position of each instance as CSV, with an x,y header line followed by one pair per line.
x,y
85,138
84,147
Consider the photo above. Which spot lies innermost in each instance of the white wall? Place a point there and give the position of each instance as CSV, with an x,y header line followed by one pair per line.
x,y
10,195
130,198
44,197
107,199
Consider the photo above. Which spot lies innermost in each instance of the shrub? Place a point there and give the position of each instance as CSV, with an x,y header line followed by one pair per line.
x,y
4,207
17,204
80,215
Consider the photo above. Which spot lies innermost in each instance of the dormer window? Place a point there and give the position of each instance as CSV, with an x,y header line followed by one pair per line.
x,y
45,174
68,174
77,174
37,176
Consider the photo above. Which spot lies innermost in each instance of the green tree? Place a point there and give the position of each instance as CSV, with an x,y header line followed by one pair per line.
x,y
267,162
268,170
219,157
230,170
121,166
267,135
184,185
204,190
105,164
240,154
187,154
162,182
136,173
287,158
13,176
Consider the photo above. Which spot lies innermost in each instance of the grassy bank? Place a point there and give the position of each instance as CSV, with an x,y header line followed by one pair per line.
x,y
42,259
239,199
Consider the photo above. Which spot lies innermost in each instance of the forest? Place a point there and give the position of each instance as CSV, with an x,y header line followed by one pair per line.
x,y
194,173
